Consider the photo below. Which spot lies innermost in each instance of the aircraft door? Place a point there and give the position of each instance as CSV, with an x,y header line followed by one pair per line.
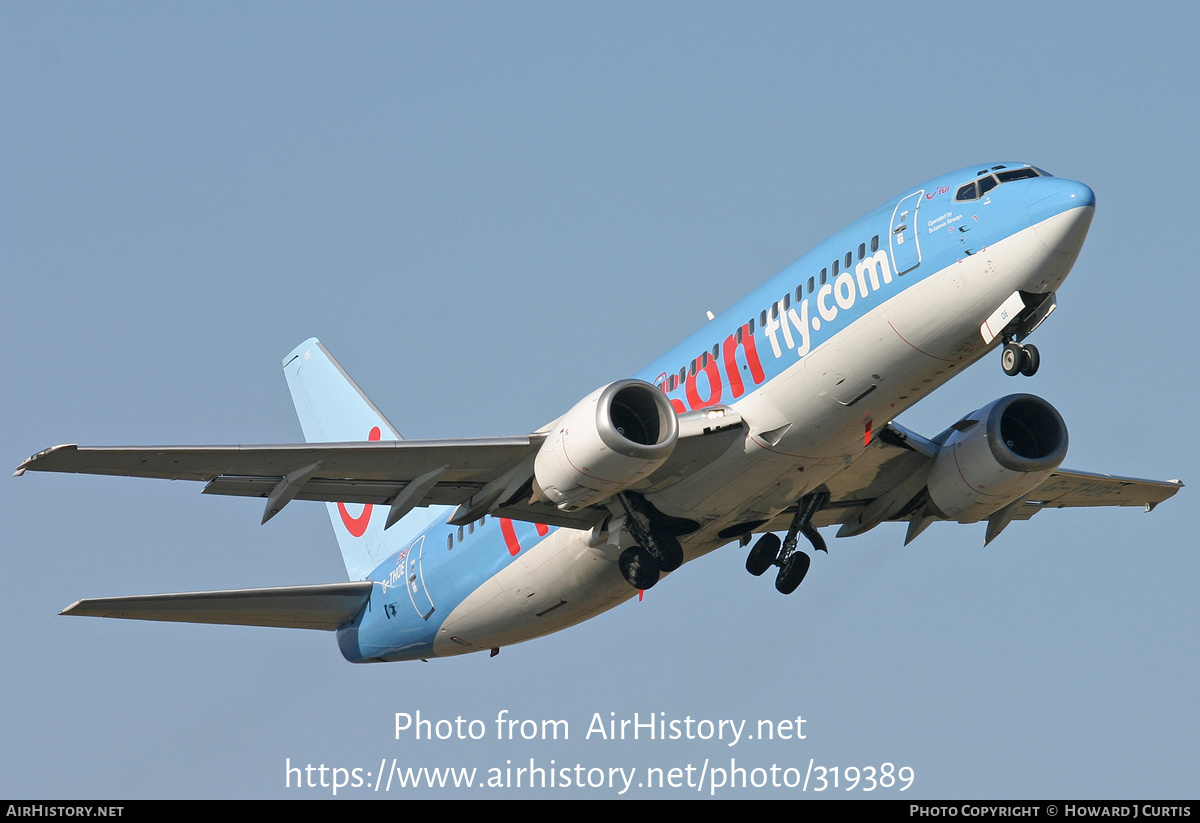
x,y
905,249
414,579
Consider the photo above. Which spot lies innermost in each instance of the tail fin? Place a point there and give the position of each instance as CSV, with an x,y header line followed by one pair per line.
x,y
332,408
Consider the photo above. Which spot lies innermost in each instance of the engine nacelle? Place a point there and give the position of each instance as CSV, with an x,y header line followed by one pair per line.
x,y
613,438
996,455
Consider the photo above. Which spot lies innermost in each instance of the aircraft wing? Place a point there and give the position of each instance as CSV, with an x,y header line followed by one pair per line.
x,y
355,472
326,607
479,475
887,484
1068,489
474,461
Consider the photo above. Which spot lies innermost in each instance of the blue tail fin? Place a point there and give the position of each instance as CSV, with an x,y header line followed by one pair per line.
x,y
332,408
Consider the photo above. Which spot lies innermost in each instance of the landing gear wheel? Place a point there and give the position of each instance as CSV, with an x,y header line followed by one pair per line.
x,y
791,574
639,569
763,555
1030,360
1011,359
672,552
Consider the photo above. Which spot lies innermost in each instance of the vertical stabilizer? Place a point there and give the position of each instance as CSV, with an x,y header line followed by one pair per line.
x,y
332,408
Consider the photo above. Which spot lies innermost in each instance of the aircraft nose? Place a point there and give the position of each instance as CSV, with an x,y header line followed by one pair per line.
x,y
1060,211
1046,197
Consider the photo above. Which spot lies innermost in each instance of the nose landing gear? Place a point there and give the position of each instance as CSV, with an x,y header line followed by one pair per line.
x,y
1017,359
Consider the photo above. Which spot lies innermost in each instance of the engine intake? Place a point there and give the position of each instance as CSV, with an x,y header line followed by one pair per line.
x,y
616,436
996,455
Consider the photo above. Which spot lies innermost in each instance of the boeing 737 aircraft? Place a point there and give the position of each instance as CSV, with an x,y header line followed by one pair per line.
x,y
775,416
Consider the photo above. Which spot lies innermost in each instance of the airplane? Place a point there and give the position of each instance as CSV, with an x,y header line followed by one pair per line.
x,y
776,416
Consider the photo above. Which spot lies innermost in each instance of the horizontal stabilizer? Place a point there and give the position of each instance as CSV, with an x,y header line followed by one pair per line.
x,y
327,606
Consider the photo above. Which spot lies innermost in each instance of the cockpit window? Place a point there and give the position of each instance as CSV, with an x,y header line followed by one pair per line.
x,y
1019,174
973,191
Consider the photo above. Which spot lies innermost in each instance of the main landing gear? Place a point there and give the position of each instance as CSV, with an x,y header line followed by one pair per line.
x,y
657,549
1017,359
793,565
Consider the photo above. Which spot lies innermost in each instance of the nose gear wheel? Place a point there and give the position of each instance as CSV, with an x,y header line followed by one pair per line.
x,y
1017,359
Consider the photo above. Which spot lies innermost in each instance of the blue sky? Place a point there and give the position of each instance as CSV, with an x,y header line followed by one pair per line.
x,y
486,211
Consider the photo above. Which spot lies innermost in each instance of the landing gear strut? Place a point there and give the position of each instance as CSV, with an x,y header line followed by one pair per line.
x,y
793,565
1017,359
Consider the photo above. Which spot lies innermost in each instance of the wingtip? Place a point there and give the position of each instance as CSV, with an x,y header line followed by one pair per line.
x,y
29,462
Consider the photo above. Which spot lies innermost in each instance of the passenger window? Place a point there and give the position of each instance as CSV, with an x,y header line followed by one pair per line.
x,y
862,250
715,350
875,244
799,292
787,302
824,275
810,285
762,317
449,541
835,267
849,260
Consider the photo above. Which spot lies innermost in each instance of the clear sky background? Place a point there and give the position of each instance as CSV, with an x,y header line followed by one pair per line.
x,y
485,211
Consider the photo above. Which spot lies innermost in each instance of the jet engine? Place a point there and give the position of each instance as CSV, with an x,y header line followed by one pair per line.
x,y
996,455
613,438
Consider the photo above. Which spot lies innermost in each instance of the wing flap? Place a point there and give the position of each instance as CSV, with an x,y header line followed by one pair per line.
x,y
326,607
341,491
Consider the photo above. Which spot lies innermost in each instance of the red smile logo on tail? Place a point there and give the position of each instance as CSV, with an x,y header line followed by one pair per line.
x,y
357,526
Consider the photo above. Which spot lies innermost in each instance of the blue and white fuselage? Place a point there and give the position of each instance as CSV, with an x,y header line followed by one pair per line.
x,y
775,417
813,361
